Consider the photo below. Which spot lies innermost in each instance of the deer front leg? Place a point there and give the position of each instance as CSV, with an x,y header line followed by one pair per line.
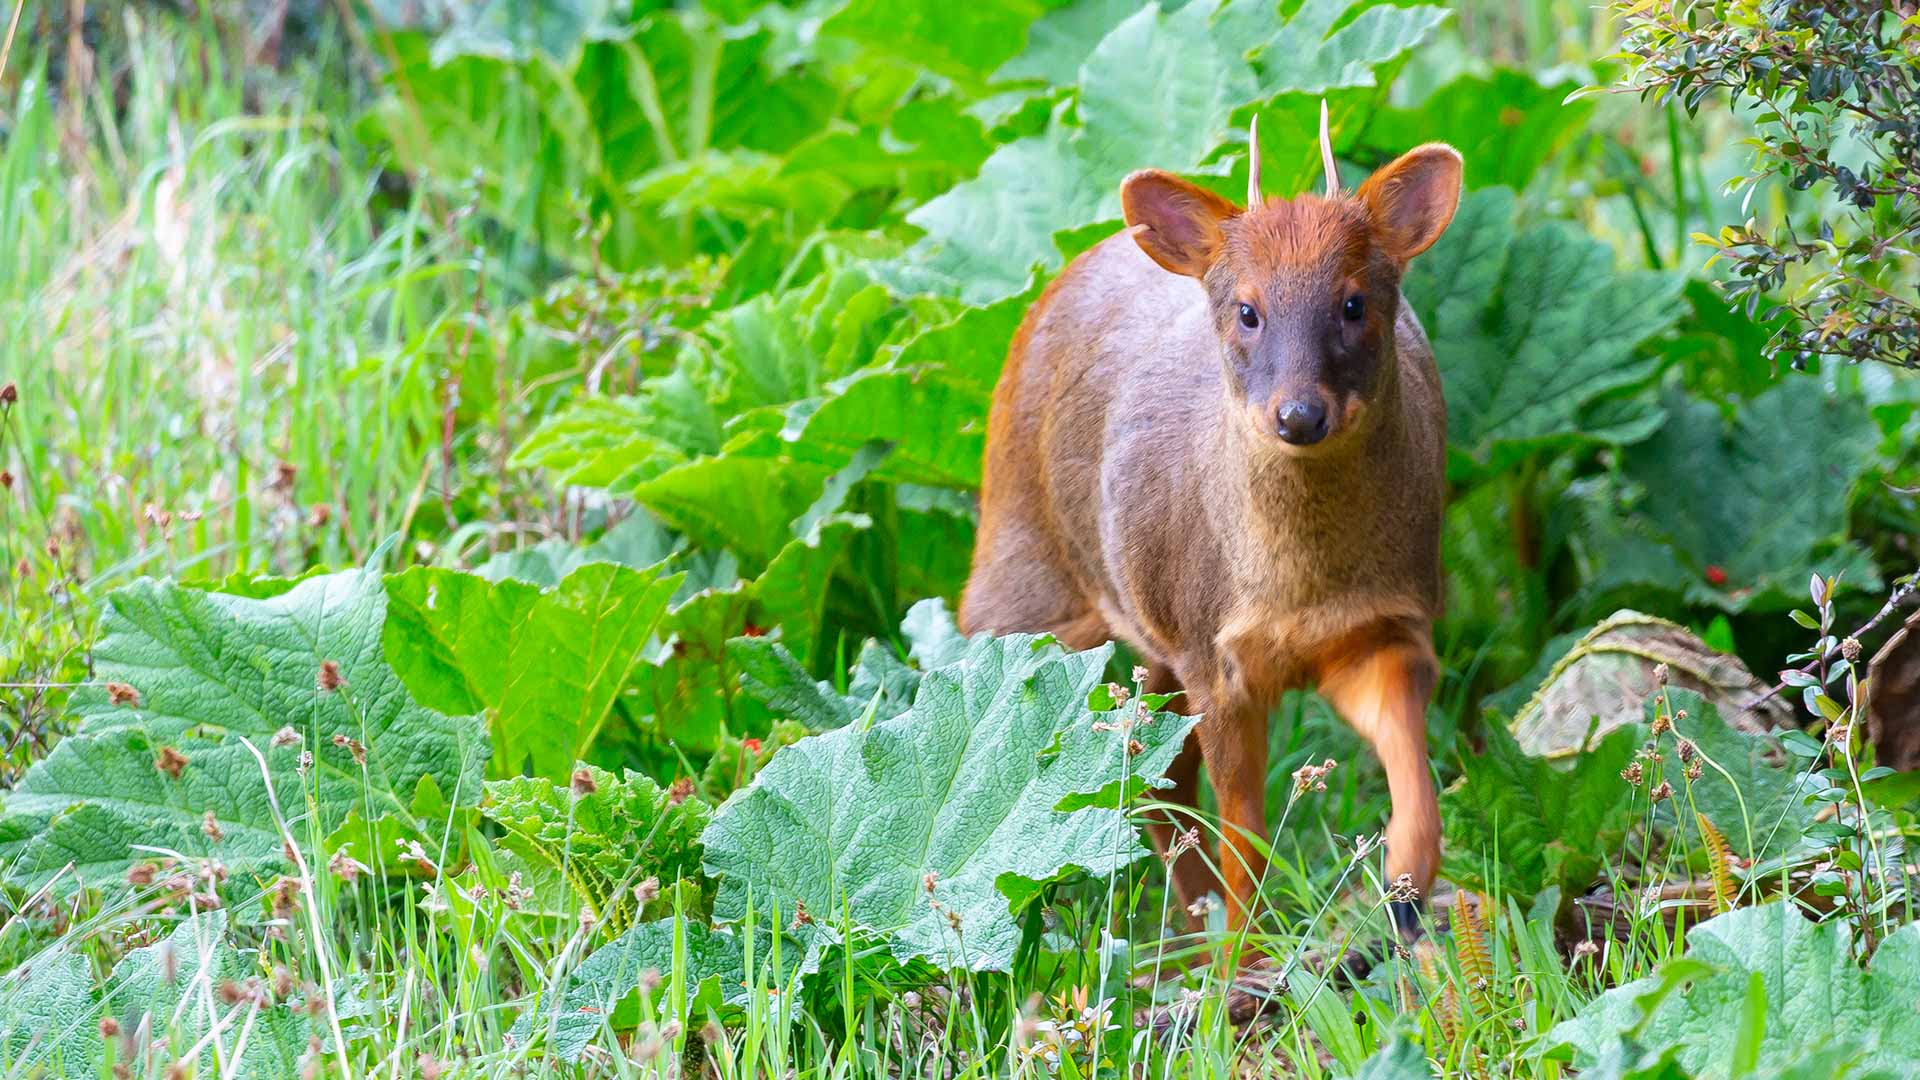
x,y
1381,684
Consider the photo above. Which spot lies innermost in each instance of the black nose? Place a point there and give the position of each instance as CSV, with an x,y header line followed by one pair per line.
x,y
1302,422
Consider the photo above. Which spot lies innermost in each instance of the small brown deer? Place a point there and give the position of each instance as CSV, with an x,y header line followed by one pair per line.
x,y
1220,438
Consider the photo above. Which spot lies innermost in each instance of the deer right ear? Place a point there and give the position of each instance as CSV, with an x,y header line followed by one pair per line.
x,y
1176,223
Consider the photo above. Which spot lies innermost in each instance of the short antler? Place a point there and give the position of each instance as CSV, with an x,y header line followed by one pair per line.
x,y
1326,154
1253,162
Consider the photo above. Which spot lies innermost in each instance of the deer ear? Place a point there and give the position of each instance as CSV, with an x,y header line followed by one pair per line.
x,y
1174,222
1412,200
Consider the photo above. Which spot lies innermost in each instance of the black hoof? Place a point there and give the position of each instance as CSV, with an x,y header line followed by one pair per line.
x,y
1405,915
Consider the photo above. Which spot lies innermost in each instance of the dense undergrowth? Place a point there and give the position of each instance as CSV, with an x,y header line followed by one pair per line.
x,y
484,494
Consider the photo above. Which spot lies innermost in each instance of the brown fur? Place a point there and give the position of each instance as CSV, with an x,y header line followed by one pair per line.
x,y
1134,487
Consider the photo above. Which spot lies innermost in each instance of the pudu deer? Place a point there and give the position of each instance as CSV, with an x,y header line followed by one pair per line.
x,y
1219,436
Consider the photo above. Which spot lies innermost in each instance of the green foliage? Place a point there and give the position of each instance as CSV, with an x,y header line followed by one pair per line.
x,y
48,1016
1799,980
605,991
213,673
1200,67
50,1013
1535,327
1522,825
936,829
1829,87
603,833
1754,496
546,665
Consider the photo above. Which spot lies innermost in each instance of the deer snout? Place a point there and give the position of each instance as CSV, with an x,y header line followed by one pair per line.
x,y
1302,420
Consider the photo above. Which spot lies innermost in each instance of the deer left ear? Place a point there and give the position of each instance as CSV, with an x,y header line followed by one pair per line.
x,y
1412,200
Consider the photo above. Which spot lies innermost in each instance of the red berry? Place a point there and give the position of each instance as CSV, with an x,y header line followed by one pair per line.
x,y
1715,575
752,745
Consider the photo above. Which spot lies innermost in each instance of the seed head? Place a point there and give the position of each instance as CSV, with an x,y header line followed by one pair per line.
x,y
583,782
645,892
140,875
171,762
352,746
680,791
1686,750
329,678
119,693
1660,674
1633,773
1850,648
285,737
346,867
1662,723
1663,792
318,515
9,394
109,1027
801,916
284,476
1134,749
928,880
6,480
211,826
285,891
1694,770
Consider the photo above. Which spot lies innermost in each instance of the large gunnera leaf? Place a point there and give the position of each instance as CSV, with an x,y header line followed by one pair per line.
x,y
546,664
183,676
1161,89
936,827
48,1017
1531,328
604,991
1730,506
1765,974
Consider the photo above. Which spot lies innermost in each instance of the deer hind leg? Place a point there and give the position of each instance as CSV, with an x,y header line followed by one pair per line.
x,y
1233,741
1188,873
1381,682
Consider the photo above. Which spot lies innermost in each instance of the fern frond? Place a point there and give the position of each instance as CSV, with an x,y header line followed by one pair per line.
x,y
1720,862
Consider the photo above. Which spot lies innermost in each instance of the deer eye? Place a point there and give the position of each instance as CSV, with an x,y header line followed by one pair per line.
x,y
1355,307
1249,318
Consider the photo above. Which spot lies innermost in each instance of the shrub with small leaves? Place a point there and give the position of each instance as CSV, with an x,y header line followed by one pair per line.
x,y
1829,88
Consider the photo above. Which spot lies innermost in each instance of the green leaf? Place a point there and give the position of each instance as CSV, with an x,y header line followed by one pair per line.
x,y
964,41
48,1017
1529,823
1761,498
637,542
211,669
1161,89
966,786
604,991
691,690
1556,331
1815,998
166,988
547,665
1506,124
602,841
